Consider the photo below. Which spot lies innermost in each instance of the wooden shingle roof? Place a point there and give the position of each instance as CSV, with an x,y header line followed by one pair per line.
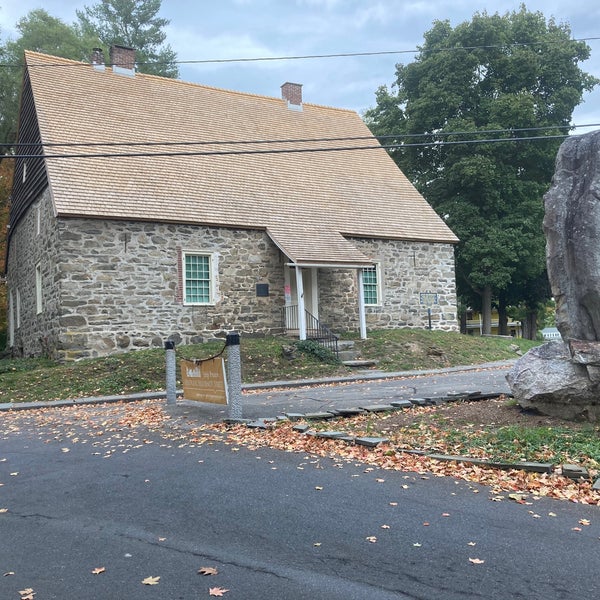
x,y
307,201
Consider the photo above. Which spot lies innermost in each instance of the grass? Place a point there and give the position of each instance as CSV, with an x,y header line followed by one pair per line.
x,y
263,359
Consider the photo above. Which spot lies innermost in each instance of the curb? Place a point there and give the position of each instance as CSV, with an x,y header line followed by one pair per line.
x,y
573,472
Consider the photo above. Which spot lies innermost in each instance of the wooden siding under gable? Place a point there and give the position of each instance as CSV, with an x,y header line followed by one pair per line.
x,y
24,193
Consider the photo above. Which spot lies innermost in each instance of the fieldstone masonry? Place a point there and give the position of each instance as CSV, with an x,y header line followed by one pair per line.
x,y
111,286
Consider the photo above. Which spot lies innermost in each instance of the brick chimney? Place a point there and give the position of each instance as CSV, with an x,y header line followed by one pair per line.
x,y
97,59
292,92
122,60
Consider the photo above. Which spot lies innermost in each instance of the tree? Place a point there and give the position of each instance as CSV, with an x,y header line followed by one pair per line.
x,y
495,77
41,33
132,23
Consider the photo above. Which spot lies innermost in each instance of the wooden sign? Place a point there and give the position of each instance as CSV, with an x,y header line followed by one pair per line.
x,y
204,380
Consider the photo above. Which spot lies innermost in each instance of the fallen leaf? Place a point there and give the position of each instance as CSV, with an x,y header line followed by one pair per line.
x,y
551,514
208,571
161,539
417,545
27,594
151,580
385,527
476,561
317,544
15,474
65,450
584,521
471,543
98,570
371,538
393,504
318,487
8,573
575,528
519,498
445,514
216,591
426,524
380,480
3,510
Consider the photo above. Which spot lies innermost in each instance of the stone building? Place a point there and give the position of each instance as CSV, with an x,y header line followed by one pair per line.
x,y
147,209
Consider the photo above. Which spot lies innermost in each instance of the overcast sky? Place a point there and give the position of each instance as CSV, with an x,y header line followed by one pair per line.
x,y
225,29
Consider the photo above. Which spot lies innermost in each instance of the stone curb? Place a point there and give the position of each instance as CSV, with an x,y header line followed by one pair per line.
x,y
575,472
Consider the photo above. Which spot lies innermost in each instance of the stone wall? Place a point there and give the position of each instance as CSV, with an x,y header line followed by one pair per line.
x,y
406,269
37,334
120,283
112,286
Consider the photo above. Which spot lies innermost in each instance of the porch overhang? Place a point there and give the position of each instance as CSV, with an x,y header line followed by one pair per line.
x,y
318,247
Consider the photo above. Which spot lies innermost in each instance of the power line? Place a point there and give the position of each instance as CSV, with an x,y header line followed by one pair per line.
x,y
316,56
510,130
437,144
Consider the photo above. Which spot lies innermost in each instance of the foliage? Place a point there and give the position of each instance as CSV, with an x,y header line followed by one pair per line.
x,y
493,77
39,32
132,23
30,380
320,352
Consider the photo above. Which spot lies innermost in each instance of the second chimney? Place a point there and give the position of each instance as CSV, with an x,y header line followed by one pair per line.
x,y
97,59
122,60
292,92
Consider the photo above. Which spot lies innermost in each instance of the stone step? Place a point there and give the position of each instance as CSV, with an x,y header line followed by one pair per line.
x,y
359,363
345,345
348,355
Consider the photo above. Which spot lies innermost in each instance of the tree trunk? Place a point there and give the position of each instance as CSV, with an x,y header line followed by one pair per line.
x,y
502,317
530,325
486,311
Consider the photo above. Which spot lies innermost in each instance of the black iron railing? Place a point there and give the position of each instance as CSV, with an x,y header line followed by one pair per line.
x,y
315,330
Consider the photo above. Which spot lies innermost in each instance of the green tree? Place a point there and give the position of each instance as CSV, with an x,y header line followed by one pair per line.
x,y
493,77
132,23
41,33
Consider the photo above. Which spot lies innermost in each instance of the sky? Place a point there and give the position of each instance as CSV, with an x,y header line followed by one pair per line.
x,y
202,30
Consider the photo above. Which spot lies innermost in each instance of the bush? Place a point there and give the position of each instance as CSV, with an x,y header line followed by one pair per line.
x,y
317,351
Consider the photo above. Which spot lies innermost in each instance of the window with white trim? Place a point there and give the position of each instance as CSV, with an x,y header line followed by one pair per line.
x,y
18,307
11,320
198,278
38,289
372,285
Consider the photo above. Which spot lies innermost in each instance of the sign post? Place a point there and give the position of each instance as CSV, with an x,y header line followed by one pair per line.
x,y
428,299
234,372
171,367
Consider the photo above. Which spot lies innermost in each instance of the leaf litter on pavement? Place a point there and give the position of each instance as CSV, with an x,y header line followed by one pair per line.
x,y
127,427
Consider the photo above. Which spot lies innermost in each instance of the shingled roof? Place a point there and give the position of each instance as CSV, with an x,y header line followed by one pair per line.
x,y
227,159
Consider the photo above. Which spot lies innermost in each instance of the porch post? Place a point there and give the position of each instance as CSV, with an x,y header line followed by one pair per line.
x,y
361,305
301,309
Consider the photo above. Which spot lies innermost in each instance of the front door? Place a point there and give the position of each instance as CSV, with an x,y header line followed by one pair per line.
x,y
309,283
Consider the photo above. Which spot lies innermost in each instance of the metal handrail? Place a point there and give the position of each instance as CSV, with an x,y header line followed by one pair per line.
x,y
315,330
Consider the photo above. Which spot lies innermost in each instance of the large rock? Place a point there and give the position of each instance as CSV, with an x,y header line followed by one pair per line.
x,y
547,379
562,378
572,227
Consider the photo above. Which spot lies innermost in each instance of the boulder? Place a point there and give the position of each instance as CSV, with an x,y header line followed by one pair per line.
x,y
572,228
548,380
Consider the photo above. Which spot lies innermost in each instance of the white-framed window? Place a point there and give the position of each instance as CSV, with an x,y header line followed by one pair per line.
x,y
39,307
372,285
11,320
198,278
18,308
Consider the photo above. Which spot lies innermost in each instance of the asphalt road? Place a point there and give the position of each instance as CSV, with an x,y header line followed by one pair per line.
x,y
87,492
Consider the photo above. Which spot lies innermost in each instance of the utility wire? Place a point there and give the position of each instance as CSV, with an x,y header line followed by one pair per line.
x,y
299,140
317,56
286,150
